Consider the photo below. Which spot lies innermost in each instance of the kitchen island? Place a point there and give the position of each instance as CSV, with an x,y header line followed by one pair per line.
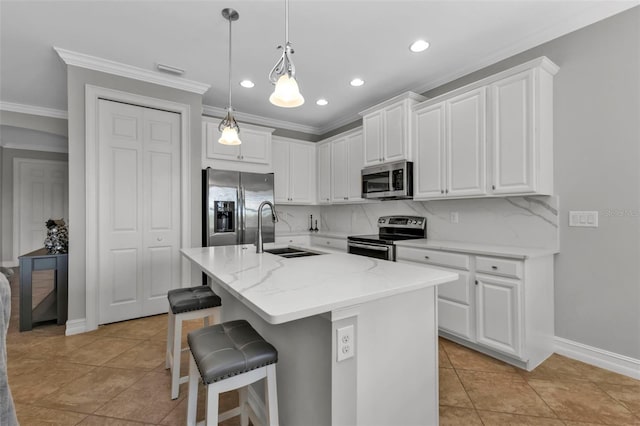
x,y
300,305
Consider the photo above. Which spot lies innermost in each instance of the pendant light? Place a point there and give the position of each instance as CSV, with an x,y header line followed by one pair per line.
x,y
286,93
229,126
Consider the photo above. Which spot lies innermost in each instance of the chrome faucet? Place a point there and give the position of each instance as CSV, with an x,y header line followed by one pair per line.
x,y
274,217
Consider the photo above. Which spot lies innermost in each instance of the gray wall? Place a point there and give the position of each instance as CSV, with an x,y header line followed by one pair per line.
x,y
597,163
77,78
6,217
56,126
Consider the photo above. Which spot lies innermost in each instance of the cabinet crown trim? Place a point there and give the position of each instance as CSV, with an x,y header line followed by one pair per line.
x,y
404,96
542,62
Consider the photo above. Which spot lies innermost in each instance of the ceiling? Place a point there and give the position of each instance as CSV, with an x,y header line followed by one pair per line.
x,y
334,41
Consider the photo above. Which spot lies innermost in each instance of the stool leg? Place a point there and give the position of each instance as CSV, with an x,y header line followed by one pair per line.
x,y
177,349
271,396
192,399
242,404
212,405
170,331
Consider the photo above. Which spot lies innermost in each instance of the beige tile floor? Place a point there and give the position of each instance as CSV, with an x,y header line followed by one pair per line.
x,y
115,376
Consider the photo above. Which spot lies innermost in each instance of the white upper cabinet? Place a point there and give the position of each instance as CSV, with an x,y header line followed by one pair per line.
x,y
386,129
347,162
253,154
449,146
466,141
522,123
493,137
324,173
294,167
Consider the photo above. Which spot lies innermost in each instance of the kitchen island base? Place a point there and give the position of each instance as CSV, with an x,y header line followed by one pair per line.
x,y
391,379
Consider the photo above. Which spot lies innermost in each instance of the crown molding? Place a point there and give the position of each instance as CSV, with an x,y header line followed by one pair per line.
x,y
116,68
33,110
54,147
260,120
347,119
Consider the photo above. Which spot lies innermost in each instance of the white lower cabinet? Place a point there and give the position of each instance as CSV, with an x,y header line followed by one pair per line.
x,y
499,306
498,314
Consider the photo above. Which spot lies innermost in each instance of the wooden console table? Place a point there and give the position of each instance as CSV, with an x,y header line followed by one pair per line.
x,y
52,307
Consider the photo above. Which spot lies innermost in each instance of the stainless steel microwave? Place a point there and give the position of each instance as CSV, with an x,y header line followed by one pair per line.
x,y
389,181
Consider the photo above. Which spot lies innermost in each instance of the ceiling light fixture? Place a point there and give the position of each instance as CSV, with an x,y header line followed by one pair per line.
x,y
247,83
228,126
419,46
357,82
322,102
286,93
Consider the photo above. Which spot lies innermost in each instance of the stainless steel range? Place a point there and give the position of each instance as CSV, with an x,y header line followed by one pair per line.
x,y
390,230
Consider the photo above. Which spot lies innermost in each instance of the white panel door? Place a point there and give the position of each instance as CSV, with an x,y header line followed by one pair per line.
x,y
339,175
356,163
324,173
281,172
139,210
302,164
513,155
429,152
394,133
499,314
466,142
41,192
372,126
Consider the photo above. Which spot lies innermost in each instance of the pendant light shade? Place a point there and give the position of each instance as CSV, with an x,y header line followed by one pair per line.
x,y
286,93
229,126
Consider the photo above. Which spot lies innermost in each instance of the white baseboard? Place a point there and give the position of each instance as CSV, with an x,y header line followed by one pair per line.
x,y
76,326
257,407
599,357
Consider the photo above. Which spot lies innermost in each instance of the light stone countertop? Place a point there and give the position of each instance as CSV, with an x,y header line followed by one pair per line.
x,y
478,249
281,290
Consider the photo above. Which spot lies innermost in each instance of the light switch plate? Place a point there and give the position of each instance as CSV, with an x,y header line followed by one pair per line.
x,y
588,219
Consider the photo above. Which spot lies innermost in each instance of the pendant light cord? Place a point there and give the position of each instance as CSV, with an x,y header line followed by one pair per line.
x,y
286,22
229,105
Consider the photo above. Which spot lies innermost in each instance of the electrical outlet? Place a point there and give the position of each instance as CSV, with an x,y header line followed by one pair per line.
x,y
346,347
454,217
588,219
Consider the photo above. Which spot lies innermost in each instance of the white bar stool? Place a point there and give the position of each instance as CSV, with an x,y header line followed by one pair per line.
x,y
187,304
227,356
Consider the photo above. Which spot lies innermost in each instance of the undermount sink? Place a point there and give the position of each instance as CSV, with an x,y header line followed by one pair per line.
x,y
290,252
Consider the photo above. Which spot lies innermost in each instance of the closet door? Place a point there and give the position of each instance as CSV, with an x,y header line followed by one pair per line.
x,y
139,210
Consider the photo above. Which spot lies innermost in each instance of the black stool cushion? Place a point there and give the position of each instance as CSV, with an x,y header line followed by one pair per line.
x,y
227,349
192,299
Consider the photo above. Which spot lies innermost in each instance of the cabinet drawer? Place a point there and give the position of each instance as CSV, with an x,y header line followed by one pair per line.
x,y
331,243
495,266
457,291
455,318
434,257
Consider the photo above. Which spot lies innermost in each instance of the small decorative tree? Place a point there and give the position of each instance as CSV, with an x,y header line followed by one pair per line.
x,y
57,240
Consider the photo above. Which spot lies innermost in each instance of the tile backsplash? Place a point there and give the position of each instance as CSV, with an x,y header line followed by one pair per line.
x,y
530,221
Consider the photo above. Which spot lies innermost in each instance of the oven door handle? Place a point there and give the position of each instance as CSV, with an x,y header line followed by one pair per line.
x,y
368,247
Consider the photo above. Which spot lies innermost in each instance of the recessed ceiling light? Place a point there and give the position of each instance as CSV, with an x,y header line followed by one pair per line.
x,y
247,83
419,46
357,82
322,102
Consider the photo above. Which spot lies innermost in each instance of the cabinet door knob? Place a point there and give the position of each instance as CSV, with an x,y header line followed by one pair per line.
x,y
426,257
493,187
346,198
495,268
476,282
442,191
446,191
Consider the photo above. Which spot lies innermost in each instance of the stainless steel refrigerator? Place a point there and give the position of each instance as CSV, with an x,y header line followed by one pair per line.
x,y
230,207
